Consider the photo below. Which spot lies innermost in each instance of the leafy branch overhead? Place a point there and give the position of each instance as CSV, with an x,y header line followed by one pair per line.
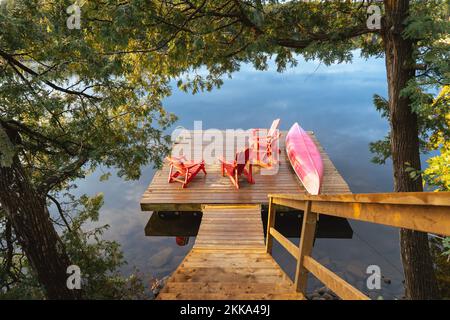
x,y
69,114
428,27
66,108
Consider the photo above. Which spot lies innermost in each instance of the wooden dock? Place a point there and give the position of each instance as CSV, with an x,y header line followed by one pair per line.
x,y
229,260
215,189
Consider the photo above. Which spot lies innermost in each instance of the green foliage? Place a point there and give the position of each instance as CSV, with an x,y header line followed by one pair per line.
x,y
382,105
381,150
414,174
428,27
75,107
105,176
438,114
99,260
437,174
17,281
7,150
446,244
428,20
210,39
442,264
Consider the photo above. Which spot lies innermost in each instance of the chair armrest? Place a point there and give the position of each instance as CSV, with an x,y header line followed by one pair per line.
x,y
228,163
258,129
180,158
194,164
256,132
224,162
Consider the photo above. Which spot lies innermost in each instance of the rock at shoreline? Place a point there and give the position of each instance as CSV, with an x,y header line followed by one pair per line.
x,y
323,293
157,285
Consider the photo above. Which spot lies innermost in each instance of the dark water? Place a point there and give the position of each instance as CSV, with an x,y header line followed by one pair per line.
x,y
336,103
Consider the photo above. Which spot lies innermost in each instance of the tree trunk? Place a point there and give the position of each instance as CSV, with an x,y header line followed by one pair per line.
x,y
420,279
27,211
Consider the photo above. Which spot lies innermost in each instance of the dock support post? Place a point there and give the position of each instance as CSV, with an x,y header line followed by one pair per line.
x,y
305,247
270,224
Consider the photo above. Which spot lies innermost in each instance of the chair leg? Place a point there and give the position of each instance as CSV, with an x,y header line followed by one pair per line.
x,y
257,152
232,181
249,176
186,181
170,174
250,171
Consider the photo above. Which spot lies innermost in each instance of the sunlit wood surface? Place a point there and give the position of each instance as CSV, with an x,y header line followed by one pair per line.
x,y
215,189
229,260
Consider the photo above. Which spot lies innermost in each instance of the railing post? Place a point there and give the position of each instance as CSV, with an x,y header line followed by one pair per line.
x,y
270,224
305,246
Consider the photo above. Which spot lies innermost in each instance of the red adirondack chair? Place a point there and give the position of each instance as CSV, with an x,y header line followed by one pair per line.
x,y
264,146
238,167
183,170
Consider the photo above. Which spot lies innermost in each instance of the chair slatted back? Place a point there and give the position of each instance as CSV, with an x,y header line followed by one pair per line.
x,y
273,128
242,158
178,164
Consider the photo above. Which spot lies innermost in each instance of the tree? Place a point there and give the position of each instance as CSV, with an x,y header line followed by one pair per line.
x,y
423,46
176,37
99,260
65,108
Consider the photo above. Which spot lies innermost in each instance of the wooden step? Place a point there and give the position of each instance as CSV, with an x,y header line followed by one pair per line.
x,y
227,274
229,260
229,287
221,263
230,296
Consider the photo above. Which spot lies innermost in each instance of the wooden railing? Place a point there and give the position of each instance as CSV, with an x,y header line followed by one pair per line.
x,y
421,211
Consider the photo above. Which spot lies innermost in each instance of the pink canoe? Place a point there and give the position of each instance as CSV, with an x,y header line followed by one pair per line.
x,y
305,158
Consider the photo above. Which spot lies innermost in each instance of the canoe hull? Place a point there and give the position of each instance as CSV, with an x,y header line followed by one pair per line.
x,y
305,158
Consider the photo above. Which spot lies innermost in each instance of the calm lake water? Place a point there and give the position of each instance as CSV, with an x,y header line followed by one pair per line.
x,y
336,103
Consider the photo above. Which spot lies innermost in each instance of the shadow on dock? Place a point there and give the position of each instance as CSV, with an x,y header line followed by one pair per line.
x,y
186,224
